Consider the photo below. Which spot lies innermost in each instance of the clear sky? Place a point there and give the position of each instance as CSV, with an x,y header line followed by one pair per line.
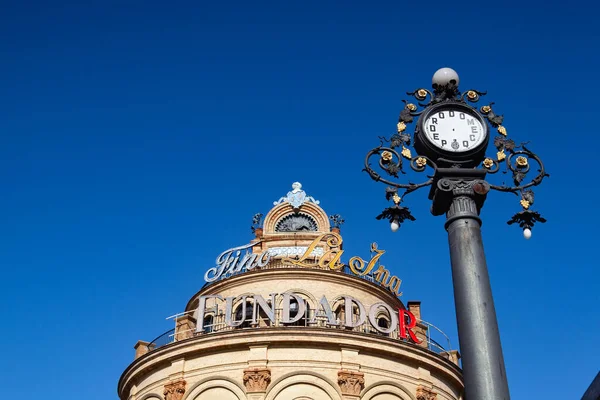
x,y
139,138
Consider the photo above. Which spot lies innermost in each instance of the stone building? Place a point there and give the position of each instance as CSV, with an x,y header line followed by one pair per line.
x,y
283,318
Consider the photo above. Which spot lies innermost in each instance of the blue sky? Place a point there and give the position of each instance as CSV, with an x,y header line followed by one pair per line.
x,y
139,138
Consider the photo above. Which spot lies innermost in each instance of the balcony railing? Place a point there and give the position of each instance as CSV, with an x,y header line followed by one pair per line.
x,y
431,336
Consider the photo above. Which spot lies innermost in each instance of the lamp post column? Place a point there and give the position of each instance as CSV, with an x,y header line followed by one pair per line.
x,y
482,360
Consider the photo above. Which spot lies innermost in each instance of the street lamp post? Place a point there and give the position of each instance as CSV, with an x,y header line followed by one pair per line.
x,y
451,137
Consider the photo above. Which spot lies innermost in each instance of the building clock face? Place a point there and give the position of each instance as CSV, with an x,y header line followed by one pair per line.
x,y
454,130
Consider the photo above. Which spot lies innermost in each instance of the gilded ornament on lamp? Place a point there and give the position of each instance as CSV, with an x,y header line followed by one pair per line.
x,y
401,127
502,130
525,204
486,109
406,153
411,107
488,163
397,199
472,95
522,161
421,94
501,155
421,162
387,156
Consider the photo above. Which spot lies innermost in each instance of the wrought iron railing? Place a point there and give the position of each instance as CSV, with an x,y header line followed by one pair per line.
x,y
433,338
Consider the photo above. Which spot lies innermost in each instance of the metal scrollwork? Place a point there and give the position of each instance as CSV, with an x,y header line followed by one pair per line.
x,y
510,158
256,222
336,220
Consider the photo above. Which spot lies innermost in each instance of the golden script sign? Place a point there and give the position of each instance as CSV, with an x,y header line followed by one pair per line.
x,y
357,265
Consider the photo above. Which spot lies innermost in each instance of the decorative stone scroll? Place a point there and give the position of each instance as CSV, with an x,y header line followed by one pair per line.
x,y
351,382
257,379
174,390
424,393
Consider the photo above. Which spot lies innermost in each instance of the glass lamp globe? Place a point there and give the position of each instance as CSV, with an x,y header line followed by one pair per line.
x,y
443,76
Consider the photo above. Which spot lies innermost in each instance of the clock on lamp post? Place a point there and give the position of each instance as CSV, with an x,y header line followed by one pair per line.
x,y
452,134
451,138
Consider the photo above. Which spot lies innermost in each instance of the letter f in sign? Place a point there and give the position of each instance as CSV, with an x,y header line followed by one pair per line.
x,y
407,327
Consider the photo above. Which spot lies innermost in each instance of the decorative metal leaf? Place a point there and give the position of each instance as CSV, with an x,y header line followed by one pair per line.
x,y
393,170
405,116
390,192
399,139
495,120
529,196
396,213
509,144
518,177
395,141
526,219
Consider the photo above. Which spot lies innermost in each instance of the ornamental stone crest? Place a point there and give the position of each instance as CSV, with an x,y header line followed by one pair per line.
x,y
424,393
296,197
174,390
351,382
257,379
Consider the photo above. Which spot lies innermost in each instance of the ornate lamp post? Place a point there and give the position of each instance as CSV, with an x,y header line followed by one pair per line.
x,y
451,137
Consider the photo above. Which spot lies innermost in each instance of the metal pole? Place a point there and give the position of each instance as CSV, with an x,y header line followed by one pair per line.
x,y
482,361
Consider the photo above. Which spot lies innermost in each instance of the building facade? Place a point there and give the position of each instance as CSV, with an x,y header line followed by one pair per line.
x,y
283,318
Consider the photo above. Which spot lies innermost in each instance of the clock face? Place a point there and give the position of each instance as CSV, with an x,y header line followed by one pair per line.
x,y
456,131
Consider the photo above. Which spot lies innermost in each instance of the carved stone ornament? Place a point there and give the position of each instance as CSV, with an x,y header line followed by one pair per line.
x,y
257,379
296,197
424,393
351,382
174,390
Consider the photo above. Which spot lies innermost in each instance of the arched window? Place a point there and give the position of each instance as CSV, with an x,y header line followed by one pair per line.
x,y
246,317
294,309
339,313
383,323
207,324
296,222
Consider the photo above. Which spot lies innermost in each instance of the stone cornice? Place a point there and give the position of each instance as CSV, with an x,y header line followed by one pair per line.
x,y
305,337
294,273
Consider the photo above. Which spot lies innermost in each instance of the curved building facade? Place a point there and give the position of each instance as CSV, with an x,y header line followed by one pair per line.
x,y
283,318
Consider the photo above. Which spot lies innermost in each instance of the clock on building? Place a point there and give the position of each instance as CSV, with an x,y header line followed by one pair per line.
x,y
452,132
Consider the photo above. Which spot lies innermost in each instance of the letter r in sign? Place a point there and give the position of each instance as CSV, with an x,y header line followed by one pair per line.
x,y
407,327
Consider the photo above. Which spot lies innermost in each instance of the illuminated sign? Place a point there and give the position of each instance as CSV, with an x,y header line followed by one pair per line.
x,y
232,261
355,313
